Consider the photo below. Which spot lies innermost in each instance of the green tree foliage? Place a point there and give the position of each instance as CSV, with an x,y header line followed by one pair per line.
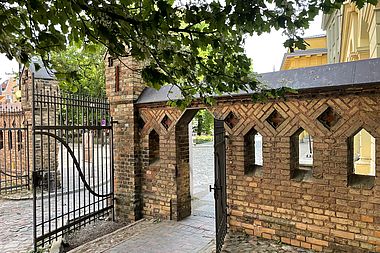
x,y
197,45
205,122
80,69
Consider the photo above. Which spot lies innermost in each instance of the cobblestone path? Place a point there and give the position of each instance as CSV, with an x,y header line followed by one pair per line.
x,y
202,164
238,242
194,234
16,225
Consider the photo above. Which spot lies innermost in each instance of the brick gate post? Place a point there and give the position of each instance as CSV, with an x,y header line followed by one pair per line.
x,y
45,83
124,85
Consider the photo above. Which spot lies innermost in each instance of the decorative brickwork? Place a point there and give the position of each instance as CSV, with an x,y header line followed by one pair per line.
x,y
323,213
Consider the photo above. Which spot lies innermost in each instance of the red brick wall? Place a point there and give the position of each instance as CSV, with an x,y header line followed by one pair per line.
x,y
324,213
13,151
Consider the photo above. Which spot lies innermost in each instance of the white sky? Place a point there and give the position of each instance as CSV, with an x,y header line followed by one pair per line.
x,y
7,67
266,51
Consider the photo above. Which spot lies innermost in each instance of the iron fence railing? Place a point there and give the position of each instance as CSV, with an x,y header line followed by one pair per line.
x,y
14,153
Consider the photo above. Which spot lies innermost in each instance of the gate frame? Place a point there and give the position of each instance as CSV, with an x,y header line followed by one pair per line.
x,y
220,186
183,208
57,101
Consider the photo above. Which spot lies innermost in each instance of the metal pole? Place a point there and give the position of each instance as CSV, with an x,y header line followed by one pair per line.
x,y
310,149
34,166
112,171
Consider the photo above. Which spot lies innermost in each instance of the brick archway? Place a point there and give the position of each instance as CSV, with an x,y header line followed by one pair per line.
x,y
183,208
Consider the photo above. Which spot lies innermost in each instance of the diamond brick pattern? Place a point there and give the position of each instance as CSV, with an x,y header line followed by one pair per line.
x,y
329,118
231,120
166,122
275,119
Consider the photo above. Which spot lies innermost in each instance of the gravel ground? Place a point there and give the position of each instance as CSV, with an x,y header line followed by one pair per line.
x,y
91,232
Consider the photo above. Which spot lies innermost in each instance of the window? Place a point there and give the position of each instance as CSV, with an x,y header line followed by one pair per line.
x,y
362,159
117,78
10,140
1,139
253,153
110,62
154,147
19,140
301,155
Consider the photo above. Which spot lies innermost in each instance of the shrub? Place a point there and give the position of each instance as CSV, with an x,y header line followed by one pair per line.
x,y
199,139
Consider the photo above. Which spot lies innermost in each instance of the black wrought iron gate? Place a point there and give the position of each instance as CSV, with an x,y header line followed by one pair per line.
x,y
14,151
72,162
220,193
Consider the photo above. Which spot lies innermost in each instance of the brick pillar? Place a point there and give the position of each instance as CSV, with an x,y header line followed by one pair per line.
x,y
46,86
183,205
123,86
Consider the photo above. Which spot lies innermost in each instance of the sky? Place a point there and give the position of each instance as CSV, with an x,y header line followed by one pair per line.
x,y
7,67
266,51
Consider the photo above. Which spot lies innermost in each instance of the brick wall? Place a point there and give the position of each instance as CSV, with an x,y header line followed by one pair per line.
x,y
13,149
159,180
324,212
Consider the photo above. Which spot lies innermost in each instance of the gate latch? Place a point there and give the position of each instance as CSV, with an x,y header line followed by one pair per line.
x,y
214,188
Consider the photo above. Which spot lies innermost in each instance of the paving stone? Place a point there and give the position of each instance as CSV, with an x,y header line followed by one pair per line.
x,y
238,242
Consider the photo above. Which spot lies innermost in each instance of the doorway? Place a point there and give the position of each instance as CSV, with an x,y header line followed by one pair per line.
x,y
201,160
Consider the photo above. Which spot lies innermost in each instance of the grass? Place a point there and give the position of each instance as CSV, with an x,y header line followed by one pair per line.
x,y
199,139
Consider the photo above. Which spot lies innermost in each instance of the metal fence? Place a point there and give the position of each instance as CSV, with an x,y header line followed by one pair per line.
x,y
14,153
72,161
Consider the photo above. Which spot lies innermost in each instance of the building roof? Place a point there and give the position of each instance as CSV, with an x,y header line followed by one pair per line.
x,y
313,51
343,75
314,36
42,72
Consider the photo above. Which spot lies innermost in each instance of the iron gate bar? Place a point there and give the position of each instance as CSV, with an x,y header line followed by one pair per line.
x,y
72,162
75,161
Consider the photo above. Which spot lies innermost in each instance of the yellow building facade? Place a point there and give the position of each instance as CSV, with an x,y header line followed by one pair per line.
x,y
354,34
315,54
351,34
